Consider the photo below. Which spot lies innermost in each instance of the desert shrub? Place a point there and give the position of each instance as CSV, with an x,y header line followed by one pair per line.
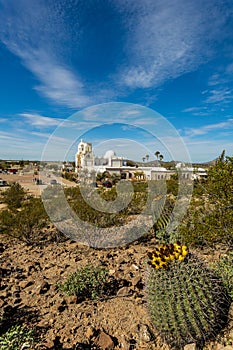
x,y
69,176
203,227
17,338
26,222
219,183
14,196
210,216
109,194
100,218
224,268
87,282
173,185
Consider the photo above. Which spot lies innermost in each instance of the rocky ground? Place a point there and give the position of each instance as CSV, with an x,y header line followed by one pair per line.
x,y
29,295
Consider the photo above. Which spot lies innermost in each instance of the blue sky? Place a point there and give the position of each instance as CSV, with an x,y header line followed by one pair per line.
x,y
95,63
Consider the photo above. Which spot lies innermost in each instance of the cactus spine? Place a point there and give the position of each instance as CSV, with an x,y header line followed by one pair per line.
x,y
186,300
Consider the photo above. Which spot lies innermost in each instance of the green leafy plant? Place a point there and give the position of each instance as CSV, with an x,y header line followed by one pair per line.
x,y
25,223
209,218
16,337
14,196
87,283
224,267
99,218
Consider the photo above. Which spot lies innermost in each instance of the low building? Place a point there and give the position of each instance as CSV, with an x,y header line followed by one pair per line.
x,y
192,173
85,160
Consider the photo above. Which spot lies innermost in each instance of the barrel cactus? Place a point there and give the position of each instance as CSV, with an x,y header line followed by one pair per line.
x,y
186,300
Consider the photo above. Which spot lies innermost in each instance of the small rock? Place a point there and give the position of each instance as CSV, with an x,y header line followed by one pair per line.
x,y
104,341
125,345
135,267
145,334
5,294
49,344
137,282
123,291
192,346
15,288
44,287
25,284
2,302
51,320
61,308
71,299
17,301
231,334
2,248
90,332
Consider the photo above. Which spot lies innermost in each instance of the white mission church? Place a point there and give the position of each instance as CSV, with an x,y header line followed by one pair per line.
x,y
85,159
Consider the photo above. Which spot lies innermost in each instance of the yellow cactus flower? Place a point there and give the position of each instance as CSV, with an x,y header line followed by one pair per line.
x,y
165,253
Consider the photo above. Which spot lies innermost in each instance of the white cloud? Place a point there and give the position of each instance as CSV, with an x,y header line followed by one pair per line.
x,y
168,38
38,120
36,33
225,125
163,40
197,111
4,135
58,83
219,96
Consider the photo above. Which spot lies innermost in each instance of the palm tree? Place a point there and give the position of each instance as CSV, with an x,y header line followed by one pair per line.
x,y
147,157
157,154
161,157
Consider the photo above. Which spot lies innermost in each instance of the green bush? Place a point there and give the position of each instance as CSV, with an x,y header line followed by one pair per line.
x,y
173,185
17,337
207,227
224,268
14,196
100,218
26,222
87,283
210,216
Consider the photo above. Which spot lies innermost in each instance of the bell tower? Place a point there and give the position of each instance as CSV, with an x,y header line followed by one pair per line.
x,y
84,149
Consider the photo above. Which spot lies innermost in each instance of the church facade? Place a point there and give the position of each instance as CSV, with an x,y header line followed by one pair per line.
x,y
86,160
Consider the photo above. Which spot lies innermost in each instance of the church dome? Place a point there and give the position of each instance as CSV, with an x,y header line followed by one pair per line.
x,y
109,154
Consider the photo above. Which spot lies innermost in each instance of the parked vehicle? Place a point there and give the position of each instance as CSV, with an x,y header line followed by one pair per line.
x,y
107,184
3,183
53,182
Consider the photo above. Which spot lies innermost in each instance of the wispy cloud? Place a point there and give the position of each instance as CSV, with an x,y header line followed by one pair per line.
x,y
38,120
58,82
162,40
197,111
37,36
221,95
169,38
225,125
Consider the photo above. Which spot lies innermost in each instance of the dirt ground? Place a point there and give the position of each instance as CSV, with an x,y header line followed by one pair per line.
x,y
29,276
29,295
28,182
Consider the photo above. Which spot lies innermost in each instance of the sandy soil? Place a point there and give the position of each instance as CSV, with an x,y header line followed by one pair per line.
x,y
28,182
